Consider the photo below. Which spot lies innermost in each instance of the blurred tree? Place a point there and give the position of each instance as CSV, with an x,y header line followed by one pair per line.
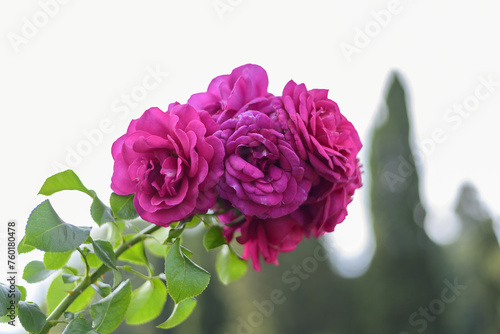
x,y
475,258
403,277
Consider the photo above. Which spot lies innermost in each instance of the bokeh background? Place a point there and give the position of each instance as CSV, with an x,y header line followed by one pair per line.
x,y
420,80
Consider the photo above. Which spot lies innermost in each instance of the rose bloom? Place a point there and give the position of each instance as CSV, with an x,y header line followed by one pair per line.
x,y
319,217
263,176
265,237
171,161
319,132
227,95
323,137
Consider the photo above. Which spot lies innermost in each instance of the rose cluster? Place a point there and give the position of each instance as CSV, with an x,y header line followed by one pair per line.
x,y
274,168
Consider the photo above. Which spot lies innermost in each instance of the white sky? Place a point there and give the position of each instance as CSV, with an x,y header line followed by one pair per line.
x,y
70,73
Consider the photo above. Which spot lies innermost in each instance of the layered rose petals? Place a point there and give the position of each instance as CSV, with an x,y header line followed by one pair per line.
x,y
274,168
227,95
321,216
263,176
267,238
319,132
323,137
171,161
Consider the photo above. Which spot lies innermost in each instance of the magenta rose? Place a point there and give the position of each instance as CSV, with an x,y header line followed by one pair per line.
x,y
266,238
171,161
227,95
321,216
323,137
319,132
263,176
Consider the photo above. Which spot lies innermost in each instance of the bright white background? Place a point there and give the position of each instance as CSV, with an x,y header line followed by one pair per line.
x,y
68,72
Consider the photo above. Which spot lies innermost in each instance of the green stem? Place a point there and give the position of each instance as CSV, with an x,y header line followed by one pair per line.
x,y
52,320
87,267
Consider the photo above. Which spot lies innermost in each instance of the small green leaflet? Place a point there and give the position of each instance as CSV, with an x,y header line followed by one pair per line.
x,y
23,248
68,180
54,261
123,206
180,313
185,279
78,326
35,272
135,254
105,253
213,238
147,302
109,312
44,226
229,266
30,316
100,212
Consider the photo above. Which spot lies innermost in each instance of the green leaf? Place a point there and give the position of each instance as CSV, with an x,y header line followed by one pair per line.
x,y
56,261
185,279
109,312
23,292
100,212
66,180
229,266
117,278
147,302
35,272
30,316
23,247
47,232
102,288
78,326
175,233
67,278
72,270
195,221
156,244
135,254
155,248
105,253
58,289
123,206
184,250
180,313
213,238
93,260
